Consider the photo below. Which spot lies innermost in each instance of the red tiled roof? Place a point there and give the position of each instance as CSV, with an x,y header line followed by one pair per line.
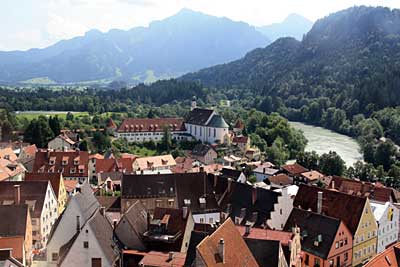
x,y
280,179
183,165
236,251
8,154
30,150
312,175
240,139
42,162
54,178
388,258
114,165
349,211
161,259
70,185
16,243
239,124
111,124
266,234
294,169
151,125
360,188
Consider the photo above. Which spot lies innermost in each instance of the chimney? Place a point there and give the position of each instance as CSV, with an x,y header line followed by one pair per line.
x,y
221,249
115,223
247,229
254,195
319,203
17,194
290,245
201,168
228,208
185,211
78,224
229,184
333,184
264,170
103,211
242,213
170,256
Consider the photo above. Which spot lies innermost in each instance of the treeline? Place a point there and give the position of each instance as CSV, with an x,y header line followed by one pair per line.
x,y
99,101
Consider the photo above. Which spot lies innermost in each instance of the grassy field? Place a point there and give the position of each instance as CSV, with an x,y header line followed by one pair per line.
x,y
30,115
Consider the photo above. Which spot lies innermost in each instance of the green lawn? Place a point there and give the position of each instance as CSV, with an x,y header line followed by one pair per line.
x,y
35,114
143,152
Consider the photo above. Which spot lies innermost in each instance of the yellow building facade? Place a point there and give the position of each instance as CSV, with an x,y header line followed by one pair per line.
x,y
365,238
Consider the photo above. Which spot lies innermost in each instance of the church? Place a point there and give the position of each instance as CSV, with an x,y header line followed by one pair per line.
x,y
206,125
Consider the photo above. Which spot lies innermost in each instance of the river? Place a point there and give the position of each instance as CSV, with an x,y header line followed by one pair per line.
x,y
322,140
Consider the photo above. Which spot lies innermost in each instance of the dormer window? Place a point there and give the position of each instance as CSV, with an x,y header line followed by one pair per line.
x,y
64,162
73,170
80,170
187,202
76,162
7,157
52,162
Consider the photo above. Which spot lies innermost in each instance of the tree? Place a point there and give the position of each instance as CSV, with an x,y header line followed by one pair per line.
x,y
100,141
69,116
331,164
83,146
38,132
278,153
166,141
6,131
308,159
384,154
55,126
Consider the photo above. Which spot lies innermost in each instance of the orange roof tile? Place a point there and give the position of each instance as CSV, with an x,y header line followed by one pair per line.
x,y
161,259
266,234
387,258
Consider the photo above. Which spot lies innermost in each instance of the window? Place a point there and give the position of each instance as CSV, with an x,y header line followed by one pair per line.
x,y
346,256
54,257
345,241
337,245
201,220
85,244
211,220
96,262
317,263
307,259
331,263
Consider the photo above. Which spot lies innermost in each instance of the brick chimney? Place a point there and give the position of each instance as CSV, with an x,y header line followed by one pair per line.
x,y
17,194
221,249
319,202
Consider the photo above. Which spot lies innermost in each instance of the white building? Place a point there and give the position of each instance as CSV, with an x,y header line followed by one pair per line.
x,y
80,207
206,125
91,245
283,207
387,217
62,143
142,130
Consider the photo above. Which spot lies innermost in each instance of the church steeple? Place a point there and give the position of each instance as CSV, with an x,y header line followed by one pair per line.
x,y
194,103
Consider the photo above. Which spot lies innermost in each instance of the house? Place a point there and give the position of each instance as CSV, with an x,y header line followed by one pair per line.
x,y
57,182
311,177
143,130
184,164
294,170
390,257
81,206
325,241
387,217
72,164
283,207
204,153
273,248
236,175
27,157
375,193
354,211
239,127
264,171
253,153
130,229
42,203
207,126
178,190
224,247
112,206
109,181
91,244
62,143
232,160
163,259
247,205
17,233
10,169
169,230
279,180
164,162
242,142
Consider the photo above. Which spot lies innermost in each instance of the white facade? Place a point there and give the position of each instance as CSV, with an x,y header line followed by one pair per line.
x,y
210,218
283,207
387,217
82,256
207,134
41,228
59,144
150,136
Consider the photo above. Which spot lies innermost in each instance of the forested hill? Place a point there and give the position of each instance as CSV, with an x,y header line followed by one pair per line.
x,y
352,57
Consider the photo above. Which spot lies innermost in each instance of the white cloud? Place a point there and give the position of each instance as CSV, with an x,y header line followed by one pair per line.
x,y
47,21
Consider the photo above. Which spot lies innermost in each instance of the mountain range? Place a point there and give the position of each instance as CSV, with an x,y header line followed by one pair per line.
x,y
294,26
351,55
185,42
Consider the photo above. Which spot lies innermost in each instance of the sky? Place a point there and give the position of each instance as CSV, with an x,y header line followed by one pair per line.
x,y
39,23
